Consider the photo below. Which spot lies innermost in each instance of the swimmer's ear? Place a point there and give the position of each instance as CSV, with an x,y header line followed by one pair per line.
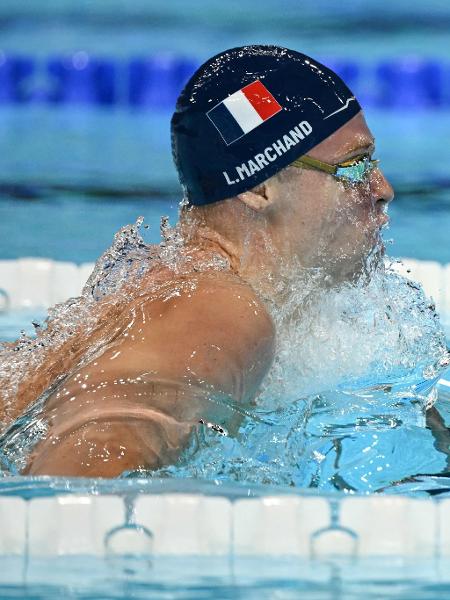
x,y
256,198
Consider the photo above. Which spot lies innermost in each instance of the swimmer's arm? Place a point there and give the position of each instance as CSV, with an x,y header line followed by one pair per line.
x,y
194,354
217,340
216,345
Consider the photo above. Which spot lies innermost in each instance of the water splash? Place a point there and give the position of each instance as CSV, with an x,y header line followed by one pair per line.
x,y
355,361
129,256
343,406
376,328
72,327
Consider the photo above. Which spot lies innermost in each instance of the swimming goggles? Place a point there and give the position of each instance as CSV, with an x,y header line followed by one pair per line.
x,y
352,171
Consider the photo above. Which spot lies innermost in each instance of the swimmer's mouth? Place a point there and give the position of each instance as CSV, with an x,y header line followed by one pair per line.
x,y
384,218
377,239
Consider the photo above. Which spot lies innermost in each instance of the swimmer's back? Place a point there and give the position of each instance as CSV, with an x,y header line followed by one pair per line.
x,y
199,338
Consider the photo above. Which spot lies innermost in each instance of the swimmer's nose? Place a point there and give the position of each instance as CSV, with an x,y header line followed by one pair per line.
x,y
380,187
382,193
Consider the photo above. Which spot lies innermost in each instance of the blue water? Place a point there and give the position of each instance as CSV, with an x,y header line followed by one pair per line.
x,y
359,29
212,579
64,198
69,178
181,578
78,228
75,227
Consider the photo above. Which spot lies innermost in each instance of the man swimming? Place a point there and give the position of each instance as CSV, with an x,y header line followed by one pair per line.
x,y
275,160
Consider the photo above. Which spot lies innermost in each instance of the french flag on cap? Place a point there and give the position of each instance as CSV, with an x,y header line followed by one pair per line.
x,y
243,111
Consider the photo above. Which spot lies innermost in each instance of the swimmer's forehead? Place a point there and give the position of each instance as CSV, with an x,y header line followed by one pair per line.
x,y
363,145
351,140
355,139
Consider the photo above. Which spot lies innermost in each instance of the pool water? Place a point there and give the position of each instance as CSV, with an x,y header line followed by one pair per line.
x,y
70,177
229,578
342,408
68,205
13,322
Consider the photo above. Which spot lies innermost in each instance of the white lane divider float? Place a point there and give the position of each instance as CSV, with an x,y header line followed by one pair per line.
x,y
40,282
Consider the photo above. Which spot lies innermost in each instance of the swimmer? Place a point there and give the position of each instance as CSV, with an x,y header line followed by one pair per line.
x,y
276,164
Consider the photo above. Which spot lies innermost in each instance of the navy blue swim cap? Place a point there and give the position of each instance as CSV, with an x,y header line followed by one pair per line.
x,y
249,112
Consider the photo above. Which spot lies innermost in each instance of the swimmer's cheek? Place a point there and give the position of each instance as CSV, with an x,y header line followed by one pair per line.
x,y
109,449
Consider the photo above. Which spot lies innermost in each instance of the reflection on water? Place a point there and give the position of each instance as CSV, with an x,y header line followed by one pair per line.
x,y
209,578
348,440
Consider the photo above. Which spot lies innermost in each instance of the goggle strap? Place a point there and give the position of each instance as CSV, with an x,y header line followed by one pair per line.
x,y
315,164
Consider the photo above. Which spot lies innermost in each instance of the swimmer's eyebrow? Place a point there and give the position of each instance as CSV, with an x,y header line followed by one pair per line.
x,y
365,147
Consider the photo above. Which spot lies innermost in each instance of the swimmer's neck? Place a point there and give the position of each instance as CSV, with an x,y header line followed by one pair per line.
x,y
255,263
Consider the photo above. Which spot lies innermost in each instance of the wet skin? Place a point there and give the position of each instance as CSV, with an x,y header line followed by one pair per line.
x,y
208,340
175,360
325,222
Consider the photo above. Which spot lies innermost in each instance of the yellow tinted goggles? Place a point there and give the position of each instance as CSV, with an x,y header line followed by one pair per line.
x,y
353,171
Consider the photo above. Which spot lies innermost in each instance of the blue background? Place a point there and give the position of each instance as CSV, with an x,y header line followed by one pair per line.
x,y
87,89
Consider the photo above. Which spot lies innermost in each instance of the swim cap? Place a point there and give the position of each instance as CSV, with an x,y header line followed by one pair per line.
x,y
249,112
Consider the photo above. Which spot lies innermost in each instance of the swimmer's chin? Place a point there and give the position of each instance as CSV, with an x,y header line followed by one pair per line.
x,y
364,267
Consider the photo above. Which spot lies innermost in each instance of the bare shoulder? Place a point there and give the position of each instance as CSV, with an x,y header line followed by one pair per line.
x,y
220,298
221,304
214,328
